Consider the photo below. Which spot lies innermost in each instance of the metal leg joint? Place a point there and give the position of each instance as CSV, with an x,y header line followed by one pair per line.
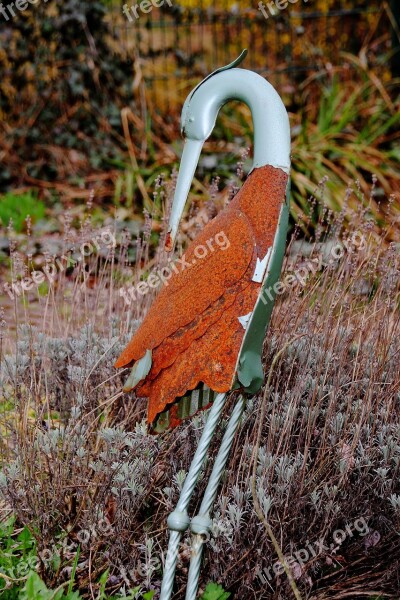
x,y
201,525
178,521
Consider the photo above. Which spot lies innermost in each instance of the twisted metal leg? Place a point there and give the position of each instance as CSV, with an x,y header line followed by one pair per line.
x,y
201,523
178,521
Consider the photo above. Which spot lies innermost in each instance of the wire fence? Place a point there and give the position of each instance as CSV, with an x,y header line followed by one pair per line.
x,y
173,46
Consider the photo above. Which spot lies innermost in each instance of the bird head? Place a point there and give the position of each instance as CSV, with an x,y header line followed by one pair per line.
x,y
198,118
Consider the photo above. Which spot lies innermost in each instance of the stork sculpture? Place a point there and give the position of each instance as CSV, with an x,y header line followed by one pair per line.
x,y
204,333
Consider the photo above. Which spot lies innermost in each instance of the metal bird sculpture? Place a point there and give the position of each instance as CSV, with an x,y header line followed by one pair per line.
x,y
204,333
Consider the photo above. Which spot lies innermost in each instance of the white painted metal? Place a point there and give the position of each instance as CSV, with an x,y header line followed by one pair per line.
x,y
199,114
201,523
179,521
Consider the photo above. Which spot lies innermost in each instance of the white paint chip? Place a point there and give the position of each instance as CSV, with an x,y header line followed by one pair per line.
x,y
139,371
244,321
261,267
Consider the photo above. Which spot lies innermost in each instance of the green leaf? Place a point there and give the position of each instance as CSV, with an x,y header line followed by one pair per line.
x,y
103,582
214,591
35,589
74,567
18,207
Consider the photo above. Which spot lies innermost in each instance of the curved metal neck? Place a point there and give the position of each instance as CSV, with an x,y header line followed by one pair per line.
x,y
200,111
270,119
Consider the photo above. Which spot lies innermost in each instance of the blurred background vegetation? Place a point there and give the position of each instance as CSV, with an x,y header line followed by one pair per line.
x,y
90,102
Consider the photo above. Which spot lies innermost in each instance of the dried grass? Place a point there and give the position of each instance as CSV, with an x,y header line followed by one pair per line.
x,y
75,456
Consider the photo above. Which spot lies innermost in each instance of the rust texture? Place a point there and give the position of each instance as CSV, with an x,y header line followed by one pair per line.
x,y
192,327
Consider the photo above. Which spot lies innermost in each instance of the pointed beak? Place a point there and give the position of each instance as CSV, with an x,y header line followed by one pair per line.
x,y
190,158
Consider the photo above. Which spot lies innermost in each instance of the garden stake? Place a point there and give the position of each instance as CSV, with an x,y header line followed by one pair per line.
x,y
201,524
203,335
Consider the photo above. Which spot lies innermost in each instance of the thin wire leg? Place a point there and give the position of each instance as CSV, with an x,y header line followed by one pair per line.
x,y
201,523
178,521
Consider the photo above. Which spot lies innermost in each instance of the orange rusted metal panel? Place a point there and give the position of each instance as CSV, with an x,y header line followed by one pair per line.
x,y
191,291
193,327
210,359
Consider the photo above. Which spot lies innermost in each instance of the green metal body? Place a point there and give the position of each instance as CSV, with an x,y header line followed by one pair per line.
x,y
249,371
